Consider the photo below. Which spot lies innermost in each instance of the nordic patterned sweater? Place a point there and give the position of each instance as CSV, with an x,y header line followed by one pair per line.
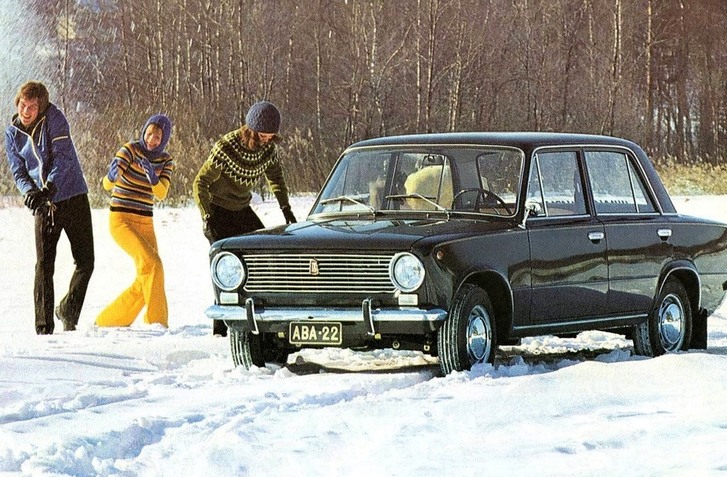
x,y
132,192
231,171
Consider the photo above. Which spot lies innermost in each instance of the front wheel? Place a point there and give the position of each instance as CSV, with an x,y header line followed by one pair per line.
x,y
249,349
468,336
246,348
669,325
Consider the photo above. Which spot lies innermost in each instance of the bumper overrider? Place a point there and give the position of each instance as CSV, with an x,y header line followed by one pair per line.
x,y
360,322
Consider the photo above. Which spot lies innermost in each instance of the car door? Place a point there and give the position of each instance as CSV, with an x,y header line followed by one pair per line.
x,y
638,236
567,244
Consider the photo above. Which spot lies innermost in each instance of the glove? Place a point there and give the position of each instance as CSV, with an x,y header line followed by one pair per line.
x,y
33,199
113,173
38,197
288,214
149,169
208,230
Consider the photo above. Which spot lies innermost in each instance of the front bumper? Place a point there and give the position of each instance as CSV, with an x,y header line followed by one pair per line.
x,y
362,321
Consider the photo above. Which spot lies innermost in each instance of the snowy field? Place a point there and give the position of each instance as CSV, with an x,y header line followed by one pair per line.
x,y
147,401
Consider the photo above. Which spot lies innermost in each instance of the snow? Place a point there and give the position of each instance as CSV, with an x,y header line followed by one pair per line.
x,y
149,401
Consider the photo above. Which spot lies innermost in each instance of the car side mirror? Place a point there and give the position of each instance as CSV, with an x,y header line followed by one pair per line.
x,y
532,208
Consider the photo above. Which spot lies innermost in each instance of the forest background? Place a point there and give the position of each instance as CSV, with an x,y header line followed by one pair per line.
x,y
652,71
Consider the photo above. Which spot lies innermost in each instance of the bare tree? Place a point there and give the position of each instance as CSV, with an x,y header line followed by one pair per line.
x,y
343,70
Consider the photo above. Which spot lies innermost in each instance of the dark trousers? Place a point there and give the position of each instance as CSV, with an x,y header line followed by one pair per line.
x,y
72,216
227,223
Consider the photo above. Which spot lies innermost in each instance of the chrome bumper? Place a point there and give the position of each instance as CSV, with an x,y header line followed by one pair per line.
x,y
366,314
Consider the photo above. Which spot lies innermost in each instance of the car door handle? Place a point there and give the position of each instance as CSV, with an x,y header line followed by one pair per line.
x,y
595,237
664,234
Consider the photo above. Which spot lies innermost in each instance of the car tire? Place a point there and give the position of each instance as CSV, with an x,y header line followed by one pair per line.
x,y
219,328
468,336
247,349
669,325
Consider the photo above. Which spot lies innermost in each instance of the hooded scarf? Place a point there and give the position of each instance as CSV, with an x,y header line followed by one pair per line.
x,y
165,124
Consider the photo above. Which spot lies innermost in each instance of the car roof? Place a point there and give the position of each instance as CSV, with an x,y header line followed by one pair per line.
x,y
527,141
524,140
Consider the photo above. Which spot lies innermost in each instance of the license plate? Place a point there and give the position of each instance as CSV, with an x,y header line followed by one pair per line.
x,y
318,333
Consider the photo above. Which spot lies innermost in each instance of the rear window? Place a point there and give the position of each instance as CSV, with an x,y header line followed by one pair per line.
x,y
617,186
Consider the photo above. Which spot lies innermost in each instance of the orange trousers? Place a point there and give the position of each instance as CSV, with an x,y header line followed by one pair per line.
x,y
135,235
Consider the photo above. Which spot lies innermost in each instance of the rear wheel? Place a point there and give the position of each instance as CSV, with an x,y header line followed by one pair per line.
x,y
468,336
669,325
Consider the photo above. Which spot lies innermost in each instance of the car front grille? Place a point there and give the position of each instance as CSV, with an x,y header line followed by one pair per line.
x,y
318,273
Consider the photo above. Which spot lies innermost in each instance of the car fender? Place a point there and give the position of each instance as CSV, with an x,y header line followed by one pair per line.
x,y
686,272
501,296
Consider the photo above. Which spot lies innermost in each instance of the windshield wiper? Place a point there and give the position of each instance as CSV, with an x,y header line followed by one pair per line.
x,y
419,196
345,198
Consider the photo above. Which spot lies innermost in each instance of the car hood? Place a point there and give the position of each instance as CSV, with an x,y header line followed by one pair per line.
x,y
362,234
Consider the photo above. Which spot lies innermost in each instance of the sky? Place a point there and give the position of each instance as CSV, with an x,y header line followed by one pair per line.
x,y
150,401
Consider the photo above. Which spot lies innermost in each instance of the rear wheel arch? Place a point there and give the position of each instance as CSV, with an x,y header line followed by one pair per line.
x,y
669,325
687,274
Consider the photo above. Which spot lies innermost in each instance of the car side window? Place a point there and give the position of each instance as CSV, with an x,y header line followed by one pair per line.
x,y
555,186
617,187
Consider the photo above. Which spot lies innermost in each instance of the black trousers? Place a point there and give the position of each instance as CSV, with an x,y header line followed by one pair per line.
x,y
72,216
228,223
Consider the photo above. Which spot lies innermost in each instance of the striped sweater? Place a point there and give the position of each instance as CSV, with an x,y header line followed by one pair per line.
x,y
132,192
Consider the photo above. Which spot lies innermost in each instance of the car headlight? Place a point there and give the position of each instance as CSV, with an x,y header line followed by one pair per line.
x,y
406,271
227,270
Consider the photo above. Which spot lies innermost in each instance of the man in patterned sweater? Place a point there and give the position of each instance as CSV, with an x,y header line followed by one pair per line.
x,y
223,186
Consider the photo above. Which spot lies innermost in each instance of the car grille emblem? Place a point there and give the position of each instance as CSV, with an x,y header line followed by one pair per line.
x,y
313,267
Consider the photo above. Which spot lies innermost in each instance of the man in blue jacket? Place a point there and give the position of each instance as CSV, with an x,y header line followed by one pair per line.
x,y
47,172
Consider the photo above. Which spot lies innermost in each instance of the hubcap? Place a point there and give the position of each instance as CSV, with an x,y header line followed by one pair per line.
x,y
479,335
671,322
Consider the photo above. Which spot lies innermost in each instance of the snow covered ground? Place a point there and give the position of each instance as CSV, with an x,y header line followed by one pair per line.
x,y
148,401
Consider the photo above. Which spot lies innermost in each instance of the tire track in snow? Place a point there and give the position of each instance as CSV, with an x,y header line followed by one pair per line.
x,y
113,381
200,411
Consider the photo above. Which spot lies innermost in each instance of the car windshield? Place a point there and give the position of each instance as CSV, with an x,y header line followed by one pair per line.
x,y
448,179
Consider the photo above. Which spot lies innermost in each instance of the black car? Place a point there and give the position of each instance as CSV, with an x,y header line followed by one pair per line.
x,y
456,243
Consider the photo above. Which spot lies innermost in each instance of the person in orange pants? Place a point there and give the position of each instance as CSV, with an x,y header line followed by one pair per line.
x,y
135,235
139,173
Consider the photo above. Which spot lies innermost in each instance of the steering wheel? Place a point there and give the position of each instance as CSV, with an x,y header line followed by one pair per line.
x,y
489,199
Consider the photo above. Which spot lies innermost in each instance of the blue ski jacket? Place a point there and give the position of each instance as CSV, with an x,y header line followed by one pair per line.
x,y
45,154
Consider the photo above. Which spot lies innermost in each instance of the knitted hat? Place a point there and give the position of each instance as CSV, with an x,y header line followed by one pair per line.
x,y
263,117
165,124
